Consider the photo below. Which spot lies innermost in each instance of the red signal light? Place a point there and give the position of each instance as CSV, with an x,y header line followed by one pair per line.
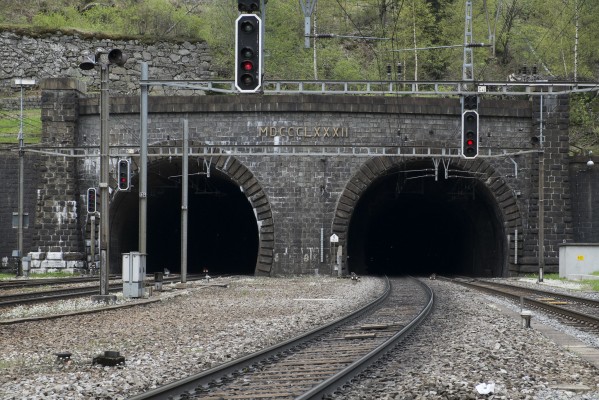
x,y
247,66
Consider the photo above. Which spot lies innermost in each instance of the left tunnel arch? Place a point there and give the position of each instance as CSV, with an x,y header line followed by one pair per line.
x,y
229,218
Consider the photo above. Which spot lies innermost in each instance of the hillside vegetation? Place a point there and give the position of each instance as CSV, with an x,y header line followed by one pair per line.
x,y
558,38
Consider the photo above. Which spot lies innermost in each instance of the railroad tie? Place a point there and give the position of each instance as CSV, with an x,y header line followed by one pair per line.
x,y
360,336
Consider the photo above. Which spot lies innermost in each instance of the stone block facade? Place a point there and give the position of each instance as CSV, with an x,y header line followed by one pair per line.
x,y
299,199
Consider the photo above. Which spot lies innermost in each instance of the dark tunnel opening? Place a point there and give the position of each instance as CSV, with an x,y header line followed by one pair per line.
x,y
222,229
409,223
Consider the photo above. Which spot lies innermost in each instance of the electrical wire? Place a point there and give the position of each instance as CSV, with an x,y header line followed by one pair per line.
x,y
378,62
549,29
12,117
562,32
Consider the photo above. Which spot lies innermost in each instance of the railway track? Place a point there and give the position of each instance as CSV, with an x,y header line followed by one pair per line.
x,y
25,283
580,312
318,362
53,295
42,296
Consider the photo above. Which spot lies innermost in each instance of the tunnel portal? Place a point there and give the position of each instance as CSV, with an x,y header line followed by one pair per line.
x,y
222,228
408,222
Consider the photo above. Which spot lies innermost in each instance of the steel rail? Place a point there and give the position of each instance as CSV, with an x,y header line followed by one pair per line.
x,y
555,309
330,385
67,293
21,283
51,295
231,368
577,299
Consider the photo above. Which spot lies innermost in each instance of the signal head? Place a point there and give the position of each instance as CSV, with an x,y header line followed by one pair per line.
x,y
470,134
248,54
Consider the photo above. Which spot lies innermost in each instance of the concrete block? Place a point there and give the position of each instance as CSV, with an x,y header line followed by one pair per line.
x,y
53,265
51,255
579,277
73,264
37,255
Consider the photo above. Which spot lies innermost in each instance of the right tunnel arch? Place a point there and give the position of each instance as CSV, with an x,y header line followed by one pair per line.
x,y
406,216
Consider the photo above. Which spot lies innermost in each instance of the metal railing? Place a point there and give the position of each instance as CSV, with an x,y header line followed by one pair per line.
x,y
290,150
391,87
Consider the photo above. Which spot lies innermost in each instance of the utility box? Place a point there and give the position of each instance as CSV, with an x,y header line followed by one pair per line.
x,y
578,260
134,274
26,265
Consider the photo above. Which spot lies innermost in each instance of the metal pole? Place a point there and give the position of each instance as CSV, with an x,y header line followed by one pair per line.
x,y
104,176
92,244
143,163
184,201
263,29
21,190
21,194
541,215
308,9
541,196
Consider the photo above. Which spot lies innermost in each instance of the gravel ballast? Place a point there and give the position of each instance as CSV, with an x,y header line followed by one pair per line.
x,y
465,342
468,343
191,330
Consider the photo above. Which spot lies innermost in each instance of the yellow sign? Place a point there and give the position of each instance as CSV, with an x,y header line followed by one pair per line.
x,y
580,258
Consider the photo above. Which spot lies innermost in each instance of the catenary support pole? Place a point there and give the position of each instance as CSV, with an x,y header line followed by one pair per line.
x,y
104,175
184,200
541,216
21,194
21,190
143,162
541,196
92,241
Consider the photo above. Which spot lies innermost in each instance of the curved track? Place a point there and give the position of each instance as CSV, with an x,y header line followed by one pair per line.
x,y
317,363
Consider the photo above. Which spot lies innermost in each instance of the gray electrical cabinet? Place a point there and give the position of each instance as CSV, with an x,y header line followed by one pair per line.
x,y
134,274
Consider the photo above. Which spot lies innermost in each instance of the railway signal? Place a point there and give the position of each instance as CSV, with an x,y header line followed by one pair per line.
x,y
248,6
471,102
248,53
124,169
469,134
91,200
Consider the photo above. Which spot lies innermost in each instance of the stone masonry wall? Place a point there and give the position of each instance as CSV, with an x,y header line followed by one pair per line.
x,y
57,55
584,189
9,192
303,192
556,186
57,233
58,184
